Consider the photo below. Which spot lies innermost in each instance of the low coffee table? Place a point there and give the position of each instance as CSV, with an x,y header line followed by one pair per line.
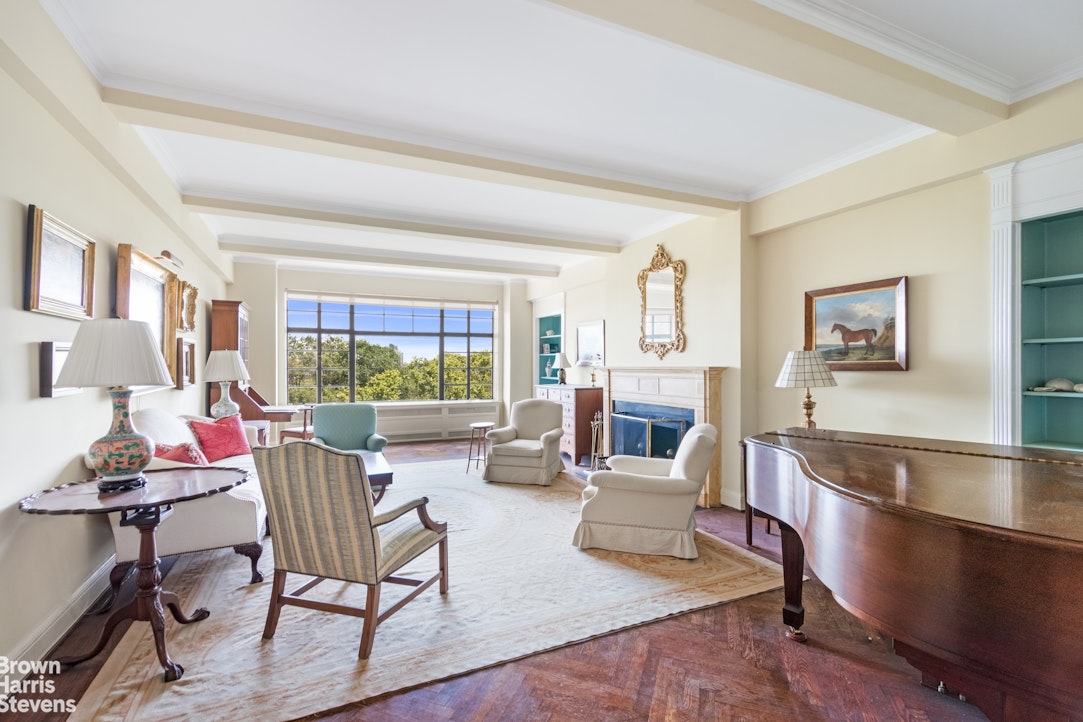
x,y
379,473
144,508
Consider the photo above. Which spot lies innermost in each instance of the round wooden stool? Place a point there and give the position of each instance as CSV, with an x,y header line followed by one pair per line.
x,y
477,433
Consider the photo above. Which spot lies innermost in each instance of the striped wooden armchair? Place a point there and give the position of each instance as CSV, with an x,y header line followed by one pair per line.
x,y
323,524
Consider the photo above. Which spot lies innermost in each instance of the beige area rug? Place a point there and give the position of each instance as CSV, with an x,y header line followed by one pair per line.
x,y
518,587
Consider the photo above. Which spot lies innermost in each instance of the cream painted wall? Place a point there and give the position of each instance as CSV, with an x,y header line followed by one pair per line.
x,y
50,561
940,239
713,250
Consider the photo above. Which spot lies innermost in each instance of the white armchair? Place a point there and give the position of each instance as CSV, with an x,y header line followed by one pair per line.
x,y
527,451
645,505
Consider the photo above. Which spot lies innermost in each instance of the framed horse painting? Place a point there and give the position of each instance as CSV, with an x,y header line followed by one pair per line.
x,y
861,327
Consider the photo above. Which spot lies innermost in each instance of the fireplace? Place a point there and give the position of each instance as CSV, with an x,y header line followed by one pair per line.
x,y
663,399
649,429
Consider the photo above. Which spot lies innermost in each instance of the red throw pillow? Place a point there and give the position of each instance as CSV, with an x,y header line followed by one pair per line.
x,y
222,438
187,453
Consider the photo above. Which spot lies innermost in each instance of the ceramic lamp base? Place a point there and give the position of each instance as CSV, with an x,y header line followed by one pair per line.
x,y
120,456
224,406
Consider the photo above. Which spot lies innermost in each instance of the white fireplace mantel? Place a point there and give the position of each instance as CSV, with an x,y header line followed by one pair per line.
x,y
698,388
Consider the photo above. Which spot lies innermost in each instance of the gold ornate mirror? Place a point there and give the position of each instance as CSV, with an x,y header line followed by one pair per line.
x,y
661,305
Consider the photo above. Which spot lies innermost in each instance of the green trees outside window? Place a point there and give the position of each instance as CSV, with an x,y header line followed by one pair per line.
x,y
384,352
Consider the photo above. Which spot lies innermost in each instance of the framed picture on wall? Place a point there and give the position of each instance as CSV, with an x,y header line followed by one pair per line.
x,y
59,272
186,363
860,327
147,291
590,343
51,357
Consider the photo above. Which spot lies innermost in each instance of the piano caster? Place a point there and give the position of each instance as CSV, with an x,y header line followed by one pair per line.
x,y
796,635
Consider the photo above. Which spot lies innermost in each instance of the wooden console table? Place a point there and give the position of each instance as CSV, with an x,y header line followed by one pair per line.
x,y
144,508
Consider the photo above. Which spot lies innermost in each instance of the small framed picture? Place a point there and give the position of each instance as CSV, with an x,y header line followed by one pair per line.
x,y
59,272
51,357
186,363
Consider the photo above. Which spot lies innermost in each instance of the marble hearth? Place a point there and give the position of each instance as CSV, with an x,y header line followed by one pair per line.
x,y
696,389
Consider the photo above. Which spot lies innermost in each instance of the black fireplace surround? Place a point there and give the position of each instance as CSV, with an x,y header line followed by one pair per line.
x,y
632,424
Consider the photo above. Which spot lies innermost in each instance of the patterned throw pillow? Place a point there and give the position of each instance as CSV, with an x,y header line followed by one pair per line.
x,y
221,438
186,453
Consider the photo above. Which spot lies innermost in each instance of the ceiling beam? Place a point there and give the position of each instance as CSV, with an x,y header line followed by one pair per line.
x,y
246,209
257,249
753,36
168,114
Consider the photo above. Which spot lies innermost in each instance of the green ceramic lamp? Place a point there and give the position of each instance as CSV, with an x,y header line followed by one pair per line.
x,y
117,353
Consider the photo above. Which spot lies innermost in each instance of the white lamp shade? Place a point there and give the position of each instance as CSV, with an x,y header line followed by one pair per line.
x,y
561,361
804,369
114,352
225,365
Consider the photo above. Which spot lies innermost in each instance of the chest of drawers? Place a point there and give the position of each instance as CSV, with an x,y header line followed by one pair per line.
x,y
580,404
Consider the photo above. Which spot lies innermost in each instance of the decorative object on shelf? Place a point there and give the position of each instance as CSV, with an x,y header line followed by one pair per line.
x,y
805,369
186,363
59,272
590,361
549,332
147,291
661,305
225,366
51,357
861,327
1060,384
548,368
117,353
186,306
560,364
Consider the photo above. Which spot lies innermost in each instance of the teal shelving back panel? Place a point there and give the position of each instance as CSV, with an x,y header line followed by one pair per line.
x,y
1051,311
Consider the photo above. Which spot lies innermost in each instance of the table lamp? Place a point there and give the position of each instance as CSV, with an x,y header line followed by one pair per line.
x,y
593,361
225,366
117,353
805,369
560,363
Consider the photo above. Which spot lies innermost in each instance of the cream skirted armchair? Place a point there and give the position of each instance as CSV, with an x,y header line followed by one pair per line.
x,y
527,451
645,505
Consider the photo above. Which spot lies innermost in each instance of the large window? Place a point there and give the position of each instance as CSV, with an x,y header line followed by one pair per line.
x,y
380,349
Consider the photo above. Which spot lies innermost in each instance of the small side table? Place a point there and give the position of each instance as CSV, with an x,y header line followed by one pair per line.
x,y
304,431
144,508
477,434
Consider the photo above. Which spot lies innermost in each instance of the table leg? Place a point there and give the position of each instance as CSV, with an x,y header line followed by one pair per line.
x,y
149,598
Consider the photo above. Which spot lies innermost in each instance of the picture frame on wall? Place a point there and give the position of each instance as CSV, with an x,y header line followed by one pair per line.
x,y
859,327
590,343
59,270
147,291
186,363
51,358
186,306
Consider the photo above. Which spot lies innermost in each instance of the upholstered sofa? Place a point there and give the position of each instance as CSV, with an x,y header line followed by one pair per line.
x,y
236,518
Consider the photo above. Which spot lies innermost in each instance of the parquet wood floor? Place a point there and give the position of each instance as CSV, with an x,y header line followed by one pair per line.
x,y
731,662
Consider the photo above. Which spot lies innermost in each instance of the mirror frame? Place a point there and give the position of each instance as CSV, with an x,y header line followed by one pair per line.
x,y
661,261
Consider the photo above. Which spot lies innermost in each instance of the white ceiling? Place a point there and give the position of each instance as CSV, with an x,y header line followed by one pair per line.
x,y
513,138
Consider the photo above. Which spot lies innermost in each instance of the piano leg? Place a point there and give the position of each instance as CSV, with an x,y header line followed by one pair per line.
x,y
793,572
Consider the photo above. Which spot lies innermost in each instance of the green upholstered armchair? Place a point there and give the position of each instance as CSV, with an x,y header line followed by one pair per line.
x,y
350,427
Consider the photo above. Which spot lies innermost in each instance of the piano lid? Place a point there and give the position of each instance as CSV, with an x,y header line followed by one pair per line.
x,y
1035,491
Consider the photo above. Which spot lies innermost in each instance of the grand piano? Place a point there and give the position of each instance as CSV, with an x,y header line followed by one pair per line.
x,y
970,556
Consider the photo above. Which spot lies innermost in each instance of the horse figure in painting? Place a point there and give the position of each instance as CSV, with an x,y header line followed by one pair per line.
x,y
868,335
